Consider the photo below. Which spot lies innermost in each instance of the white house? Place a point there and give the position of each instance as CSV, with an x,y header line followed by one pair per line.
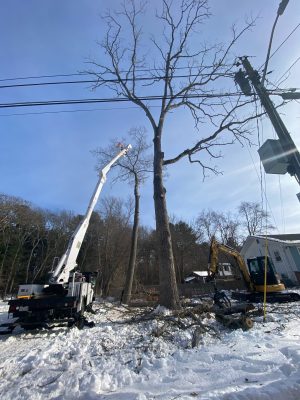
x,y
196,276
224,271
283,250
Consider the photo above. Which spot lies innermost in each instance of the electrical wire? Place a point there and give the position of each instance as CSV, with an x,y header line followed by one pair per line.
x,y
112,100
260,166
267,205
42,76
278,81
88,101
262,174
122,72
104,81
281,204
281,44
259,145
280,191
74,111
258,176
284,41
122,99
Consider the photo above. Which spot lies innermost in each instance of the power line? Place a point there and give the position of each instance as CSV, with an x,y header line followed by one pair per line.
x,y
109,80
77,110
262,188
285,40
124,99
203,67
294,63
281,44
41,76
47,83
111,100
74,111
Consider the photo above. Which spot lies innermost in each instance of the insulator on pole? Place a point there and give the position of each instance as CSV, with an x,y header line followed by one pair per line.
x,y
241,80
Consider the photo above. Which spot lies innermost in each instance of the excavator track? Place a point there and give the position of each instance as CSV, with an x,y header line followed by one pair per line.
x,y
274,297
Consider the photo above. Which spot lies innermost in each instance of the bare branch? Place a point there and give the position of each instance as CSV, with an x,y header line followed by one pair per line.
x,y
137,162
236,127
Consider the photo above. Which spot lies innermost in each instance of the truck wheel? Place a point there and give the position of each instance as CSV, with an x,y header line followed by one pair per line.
x,y
80,322
31,327
89,309
294,297
83,306
71,323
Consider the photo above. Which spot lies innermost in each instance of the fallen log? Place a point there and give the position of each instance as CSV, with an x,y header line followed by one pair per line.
x,y
230,322
235,309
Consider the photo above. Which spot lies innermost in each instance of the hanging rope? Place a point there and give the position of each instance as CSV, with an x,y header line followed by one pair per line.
x,y
264,207
281,204
260,166
266,252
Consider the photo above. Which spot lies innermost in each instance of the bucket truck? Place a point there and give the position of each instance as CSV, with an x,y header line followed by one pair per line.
x,y
68,292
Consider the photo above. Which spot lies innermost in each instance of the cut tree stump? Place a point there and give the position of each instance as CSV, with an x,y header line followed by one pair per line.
x,y
231,322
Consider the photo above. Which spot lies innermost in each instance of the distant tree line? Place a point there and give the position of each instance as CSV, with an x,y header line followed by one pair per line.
x,y
32,240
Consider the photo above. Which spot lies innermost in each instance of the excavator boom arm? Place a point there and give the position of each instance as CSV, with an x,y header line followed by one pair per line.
x,y
215,248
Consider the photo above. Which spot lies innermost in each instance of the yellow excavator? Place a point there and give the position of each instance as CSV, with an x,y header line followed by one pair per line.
x,y
253,275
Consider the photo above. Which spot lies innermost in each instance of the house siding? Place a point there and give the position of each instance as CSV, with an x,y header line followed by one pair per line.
x,y
285,256
296,257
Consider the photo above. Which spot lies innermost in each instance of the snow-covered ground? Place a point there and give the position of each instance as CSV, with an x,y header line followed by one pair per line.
x,y
117,359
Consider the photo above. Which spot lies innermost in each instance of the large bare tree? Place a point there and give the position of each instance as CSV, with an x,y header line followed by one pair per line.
x,y
182,71
255,219
222,225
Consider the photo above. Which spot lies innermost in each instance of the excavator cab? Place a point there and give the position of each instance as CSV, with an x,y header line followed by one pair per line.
x,y
256,268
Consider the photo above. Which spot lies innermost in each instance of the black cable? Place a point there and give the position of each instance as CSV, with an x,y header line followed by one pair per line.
x,y
73,111
293,64
41,76
89,74
139,70
107,80
110,100
282,43
102,109
122,99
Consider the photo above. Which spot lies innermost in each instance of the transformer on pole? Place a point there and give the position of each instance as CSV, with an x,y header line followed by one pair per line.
x,y
278,156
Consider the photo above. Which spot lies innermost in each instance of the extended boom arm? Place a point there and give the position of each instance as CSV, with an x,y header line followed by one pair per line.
x,y
67,263
215,248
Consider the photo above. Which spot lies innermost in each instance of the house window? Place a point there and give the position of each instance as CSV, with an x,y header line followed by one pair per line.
x,y
277,256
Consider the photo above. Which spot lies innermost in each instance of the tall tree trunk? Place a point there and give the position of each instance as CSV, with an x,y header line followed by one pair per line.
x,y
105,287
167,278
133,247
6,243
30,258
46,255
12,272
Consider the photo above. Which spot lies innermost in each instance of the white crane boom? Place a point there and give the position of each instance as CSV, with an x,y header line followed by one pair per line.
x,y
67,263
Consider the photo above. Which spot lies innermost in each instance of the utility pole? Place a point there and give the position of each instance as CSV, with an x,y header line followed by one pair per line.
x,y
290,151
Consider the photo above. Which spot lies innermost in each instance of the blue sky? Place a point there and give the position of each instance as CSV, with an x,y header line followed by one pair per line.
x,y
46,159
